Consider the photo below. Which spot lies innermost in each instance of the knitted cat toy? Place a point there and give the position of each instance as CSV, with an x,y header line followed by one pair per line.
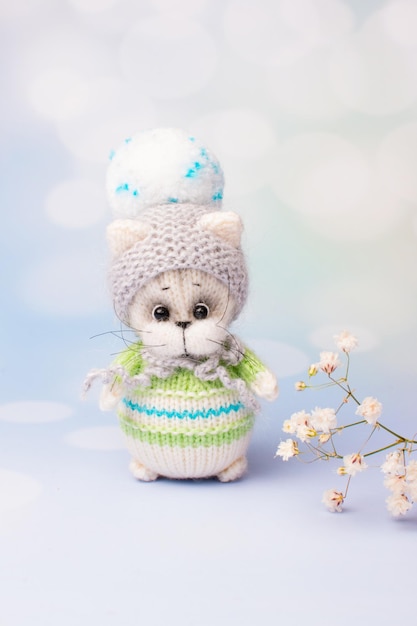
x,y
185,392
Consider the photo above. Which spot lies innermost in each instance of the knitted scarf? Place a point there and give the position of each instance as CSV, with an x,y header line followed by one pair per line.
x,y
209,369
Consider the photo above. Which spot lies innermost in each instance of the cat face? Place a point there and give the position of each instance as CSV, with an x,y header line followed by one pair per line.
x,y
182,313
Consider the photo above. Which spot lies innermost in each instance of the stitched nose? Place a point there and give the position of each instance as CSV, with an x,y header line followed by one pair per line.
x,y
183,325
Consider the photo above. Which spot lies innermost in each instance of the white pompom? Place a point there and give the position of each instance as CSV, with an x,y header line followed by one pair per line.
x,y
162,166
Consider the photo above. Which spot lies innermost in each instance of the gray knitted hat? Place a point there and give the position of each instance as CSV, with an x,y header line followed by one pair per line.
x,y
174,225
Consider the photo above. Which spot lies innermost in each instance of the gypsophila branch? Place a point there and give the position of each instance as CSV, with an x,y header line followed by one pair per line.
x,y
317,430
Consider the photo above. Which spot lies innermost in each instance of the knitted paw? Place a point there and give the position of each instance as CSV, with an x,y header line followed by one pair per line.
x,y
234,471
141,472
109,397
265,385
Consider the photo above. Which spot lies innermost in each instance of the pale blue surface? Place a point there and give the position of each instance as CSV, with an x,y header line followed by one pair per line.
x,y
81,541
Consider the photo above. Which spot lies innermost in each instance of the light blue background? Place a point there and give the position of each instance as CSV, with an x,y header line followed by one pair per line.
x,y
310,105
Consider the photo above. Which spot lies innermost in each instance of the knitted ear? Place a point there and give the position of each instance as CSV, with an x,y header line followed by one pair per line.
x,y
224,224
123,234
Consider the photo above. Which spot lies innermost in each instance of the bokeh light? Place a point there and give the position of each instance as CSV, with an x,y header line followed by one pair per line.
x,y
285,360
399,20
31,412
70,283
397,161
335,186
76,203
92,6
105,438
372,73
281,32
303,88
116,110
323,337
58,93
184,56
243,140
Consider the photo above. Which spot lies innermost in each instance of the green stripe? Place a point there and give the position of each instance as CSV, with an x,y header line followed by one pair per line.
x,y
181,440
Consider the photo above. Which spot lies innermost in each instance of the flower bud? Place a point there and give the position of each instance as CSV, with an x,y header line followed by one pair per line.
x,y
324,438
300,385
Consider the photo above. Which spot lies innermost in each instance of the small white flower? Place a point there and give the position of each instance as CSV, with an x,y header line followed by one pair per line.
x,y
287,449
398,504
329,361
324,438
395,483
394,463
354,463
313,369
300,385
411,491
411,471
296,419
370,409
346,341
304,432
333,500
299,423
288,427
323,419
411,478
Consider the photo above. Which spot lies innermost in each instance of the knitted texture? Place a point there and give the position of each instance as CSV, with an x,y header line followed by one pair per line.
x,y
176,240
185,391
184,427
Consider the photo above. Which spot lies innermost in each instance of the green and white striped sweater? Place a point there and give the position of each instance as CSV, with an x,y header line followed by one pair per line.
x,y
185,427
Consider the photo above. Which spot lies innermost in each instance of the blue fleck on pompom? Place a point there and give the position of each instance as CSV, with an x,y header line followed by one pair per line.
x,y
193,171
122,187
217,196
112,154
173,200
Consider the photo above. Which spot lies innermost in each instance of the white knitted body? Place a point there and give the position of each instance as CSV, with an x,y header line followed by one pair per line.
x,y
181,463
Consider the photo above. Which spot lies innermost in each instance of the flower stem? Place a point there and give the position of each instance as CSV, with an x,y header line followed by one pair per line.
x,y
391,445
404,439
350,425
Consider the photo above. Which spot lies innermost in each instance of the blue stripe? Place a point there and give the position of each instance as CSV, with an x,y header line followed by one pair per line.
x,y
204,413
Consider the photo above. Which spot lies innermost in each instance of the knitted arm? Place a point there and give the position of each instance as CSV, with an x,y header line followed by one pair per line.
x,y
132,362
257,376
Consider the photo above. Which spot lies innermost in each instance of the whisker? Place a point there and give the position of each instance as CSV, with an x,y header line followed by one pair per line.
x,y
107,332
231,335
232,349
132,348
195,359
119,333
136,347
122,331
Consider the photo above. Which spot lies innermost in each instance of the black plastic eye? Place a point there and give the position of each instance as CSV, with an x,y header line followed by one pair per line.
x,y
160,313
200,311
